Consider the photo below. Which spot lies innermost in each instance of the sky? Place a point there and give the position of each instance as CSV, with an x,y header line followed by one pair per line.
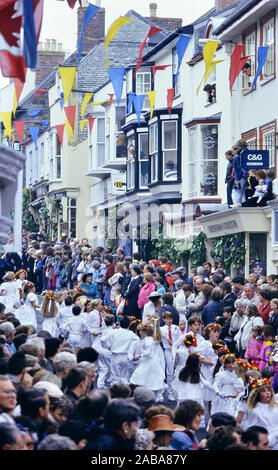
x,y
60,21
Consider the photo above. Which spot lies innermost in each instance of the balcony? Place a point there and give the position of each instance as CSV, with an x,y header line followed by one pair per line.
x,y
102,173
117,164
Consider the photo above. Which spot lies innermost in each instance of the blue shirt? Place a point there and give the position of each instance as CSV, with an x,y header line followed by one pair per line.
x,y
91,289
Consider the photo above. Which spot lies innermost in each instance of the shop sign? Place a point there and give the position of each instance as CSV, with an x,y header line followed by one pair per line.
x,y
254,159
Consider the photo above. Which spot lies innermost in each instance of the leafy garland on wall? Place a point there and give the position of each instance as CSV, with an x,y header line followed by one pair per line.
x,y
28,222
198,252
175,249
230,249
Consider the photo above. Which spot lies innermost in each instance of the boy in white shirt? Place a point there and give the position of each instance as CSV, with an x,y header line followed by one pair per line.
x,y
122,338
170,335
105,354
63,315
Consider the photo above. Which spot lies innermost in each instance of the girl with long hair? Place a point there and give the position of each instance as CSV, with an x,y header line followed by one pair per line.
x,y
27,313
49,311
9,291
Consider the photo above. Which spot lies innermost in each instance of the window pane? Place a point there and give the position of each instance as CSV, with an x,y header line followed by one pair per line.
x,y
101,130
268,40
170,135
131,155
269,144
121,147
58,167
192,182
100,154
143,160
209,178
209,142
120,114
170,165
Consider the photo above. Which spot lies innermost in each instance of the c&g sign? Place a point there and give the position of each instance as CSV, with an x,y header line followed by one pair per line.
x,y
255,159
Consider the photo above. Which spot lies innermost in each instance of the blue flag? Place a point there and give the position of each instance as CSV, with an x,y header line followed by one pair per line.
x,y
138,101
35,133
33,112
262,54
181,48
30,40
89,14
45,123
116,76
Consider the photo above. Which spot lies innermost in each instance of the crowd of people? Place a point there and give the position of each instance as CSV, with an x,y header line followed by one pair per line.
x,y
103,351
247,188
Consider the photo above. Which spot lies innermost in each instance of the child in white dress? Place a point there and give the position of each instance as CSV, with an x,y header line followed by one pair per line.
x,y
49,311
95,321
9,292
170,335
27,313
76,326
121,343
209,358
63,315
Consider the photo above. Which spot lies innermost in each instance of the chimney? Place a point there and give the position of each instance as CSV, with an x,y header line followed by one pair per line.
x,y
95,29
48,58
153,8
223,4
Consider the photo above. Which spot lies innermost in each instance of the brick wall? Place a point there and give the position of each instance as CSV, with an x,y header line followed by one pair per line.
x,y
94,31
168,23
222,4
47,61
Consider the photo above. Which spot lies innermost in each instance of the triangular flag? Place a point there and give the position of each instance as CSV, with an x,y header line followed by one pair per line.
x,y
99,103
111,33
170,99
70,113
18,87
45,122
138,102
130,101
116,76
6,117
69,130
181,47
39,92
60,133
262,55
30,38
33,112
89,14
111,98
35,133
82,124
67,75
152,31
151,95
208,54
85,101
159,67
237,64
91,121
19,127
73,2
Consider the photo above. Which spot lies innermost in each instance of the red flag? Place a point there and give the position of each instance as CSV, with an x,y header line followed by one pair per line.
x,y
19,84
170,99
237,64
153,30
60,132
19,127
73,2
70,113
111,98
91,123
39,92
11,56
159,67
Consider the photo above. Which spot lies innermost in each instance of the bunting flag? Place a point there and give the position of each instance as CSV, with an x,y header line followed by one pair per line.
x,y
91,121
73,2
170,99
60,133
69,130
98,103
89,14
111,33
116,76
210,64
151,95
18,87
262,55
237,64
82,124
70,113
62,101
138,102
181,47
39,92
111,98
67,75
6,117
45,123
19,127
152,31
86,100
33,112
30,39
130,101
159,67
35,133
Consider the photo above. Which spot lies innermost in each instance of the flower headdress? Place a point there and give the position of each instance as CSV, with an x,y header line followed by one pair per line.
x,y
107,309
212,327
224,349
228,355
217,346
50,295
246,364
256,383
190,340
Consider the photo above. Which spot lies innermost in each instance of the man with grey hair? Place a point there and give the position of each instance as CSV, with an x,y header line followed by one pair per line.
x,y
250,294
195,307
63,362
56,442
8,329
238,316
90,373
179,299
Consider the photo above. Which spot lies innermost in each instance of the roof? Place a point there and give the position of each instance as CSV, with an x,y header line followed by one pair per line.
x,y
239,10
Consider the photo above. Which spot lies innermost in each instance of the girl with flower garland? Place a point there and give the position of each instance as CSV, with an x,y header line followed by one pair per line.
x,y
267,346
181,355
27,313
190,380
253,351
9,291
20,277
211,334
251,373
135,350
263,409
49,311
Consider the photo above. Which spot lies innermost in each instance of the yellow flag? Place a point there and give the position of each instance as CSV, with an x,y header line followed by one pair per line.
x,y
67,75
69,130
6,117
99,102
208,53
15,102
82,124
151,95
111,33
86,100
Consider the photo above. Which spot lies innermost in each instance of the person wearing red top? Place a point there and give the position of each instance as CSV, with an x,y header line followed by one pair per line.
x,y
264,294
108,260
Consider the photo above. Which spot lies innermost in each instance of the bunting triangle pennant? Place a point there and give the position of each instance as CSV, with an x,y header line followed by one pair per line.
x,y
116,76
19,127
69,130
82,124
60,133
262,55
91,121
159,67
89,14
181,47
6,117
45,123
34,134
85,102
39,92
170,99
111,33
111,98
208,54
70,113
138,102
33,112
151,95
152,31
237,64
67,75
98,103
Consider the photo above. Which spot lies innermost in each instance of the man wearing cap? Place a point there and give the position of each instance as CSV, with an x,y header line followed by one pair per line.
x,y
153,306
144,399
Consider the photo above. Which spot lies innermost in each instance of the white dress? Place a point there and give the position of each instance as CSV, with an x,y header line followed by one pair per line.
x,y
181,357
63,315
27,313
267,417
50,325
76,326
226,383
150,372
11,295
208,352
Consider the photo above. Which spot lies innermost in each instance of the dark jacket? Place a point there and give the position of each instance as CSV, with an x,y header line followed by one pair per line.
x,y
173,310
131,296
229,300
273,321
125,282
105,439
229,171
212,310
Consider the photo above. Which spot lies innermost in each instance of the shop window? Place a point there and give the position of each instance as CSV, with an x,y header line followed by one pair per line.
x,y
209,160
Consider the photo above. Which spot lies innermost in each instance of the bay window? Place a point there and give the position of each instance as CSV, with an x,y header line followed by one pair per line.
x,y
192,162
100,142
268,39
120,137
170,150
143,159
131,161
153,147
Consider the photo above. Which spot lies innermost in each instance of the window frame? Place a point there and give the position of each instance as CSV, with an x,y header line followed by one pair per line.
x,y
177,85
141,71
131,165
266,129
266,19
153,155
164,150
140,160
249,136
251,30
100,144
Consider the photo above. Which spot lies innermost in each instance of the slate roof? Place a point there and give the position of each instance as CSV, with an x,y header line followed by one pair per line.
x,y
239,10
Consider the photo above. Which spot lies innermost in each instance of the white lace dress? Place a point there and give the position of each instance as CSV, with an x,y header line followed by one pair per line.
x,y
11,295
27,313
150,372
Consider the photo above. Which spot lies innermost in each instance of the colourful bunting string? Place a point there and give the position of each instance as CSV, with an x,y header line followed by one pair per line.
x,y
152,31
138,102
237,64
60,133
85,102
89,14
19,127
116,76
262,55
39,92
67,75
151,95
6,117
69,130
181,47
111,98
82,124
111,33
98,103
159,67
170,99
34,134
210,64
70,113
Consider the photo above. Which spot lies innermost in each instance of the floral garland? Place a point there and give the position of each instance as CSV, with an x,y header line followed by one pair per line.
x,y
212,327
190,340
228,355
246,364
256,383
216,345
50,295
224,349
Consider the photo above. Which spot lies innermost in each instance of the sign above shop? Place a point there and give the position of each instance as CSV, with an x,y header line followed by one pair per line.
x,y
255,159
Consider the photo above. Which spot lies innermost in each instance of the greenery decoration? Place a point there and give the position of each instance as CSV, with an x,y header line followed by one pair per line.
x,y
28,222
198,251
230,249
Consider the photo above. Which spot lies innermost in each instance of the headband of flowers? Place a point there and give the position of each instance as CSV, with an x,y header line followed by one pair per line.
x,y
228,355
256,383
21,271
50,295
217,345
190,340
212,327
153,317
108,309
246,364
134,321
223,349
